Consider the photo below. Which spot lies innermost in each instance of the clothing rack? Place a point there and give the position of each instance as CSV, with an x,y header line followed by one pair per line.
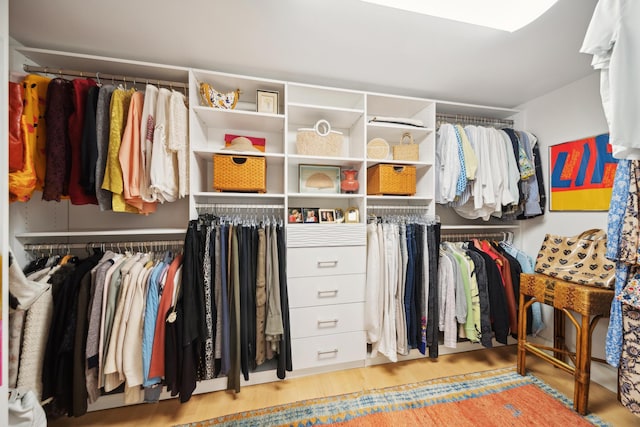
x,y
106,76
460,237
142,246
231,208
473,120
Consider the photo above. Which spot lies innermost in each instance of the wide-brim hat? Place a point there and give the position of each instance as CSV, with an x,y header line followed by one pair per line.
x,y
241,144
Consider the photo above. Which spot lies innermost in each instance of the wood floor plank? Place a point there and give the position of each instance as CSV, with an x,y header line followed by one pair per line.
x,y
602,402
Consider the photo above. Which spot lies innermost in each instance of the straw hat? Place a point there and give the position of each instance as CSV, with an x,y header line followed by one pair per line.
x,y
241,143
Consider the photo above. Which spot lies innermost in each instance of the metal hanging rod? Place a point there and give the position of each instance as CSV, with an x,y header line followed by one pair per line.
x,y
227,207
473,120
40,247
458,237
104,76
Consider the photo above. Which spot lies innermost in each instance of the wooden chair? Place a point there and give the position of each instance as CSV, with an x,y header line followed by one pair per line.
x,y
565,298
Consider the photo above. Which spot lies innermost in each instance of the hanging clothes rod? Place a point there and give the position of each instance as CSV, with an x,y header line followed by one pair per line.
x,y
104,76
226,207
459,237
473,120
43,247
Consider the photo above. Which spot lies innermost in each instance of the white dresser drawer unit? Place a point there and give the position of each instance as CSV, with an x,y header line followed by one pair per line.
x,y
327,261
328,350
326,290
326,320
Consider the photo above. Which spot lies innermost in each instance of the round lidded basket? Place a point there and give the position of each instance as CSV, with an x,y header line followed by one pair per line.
x,y
378,149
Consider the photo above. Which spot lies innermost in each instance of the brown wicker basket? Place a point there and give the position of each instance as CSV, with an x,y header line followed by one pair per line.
x,y
391,179
239,173
409,151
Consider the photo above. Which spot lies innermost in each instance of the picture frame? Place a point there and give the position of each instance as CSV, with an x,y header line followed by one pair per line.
x,y
339,215
295,216
310,215
319,179
327,216
267,101
352,215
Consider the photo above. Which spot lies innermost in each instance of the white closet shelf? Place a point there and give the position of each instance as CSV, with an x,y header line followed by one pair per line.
x,y
392,132
327,196
481,227
306,115
206,154
375,199
221,196
137,233
371,162
238,119
297,159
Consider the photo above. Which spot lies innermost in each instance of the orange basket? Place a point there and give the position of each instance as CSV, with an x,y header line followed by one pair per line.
x,y
398,180
239,173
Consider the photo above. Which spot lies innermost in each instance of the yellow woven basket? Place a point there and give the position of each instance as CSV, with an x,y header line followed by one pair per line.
x,y
319,140
409,151
391,179
239,173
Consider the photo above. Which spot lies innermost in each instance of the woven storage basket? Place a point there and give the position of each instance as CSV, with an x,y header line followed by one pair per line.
x,y
239,173
319,140
409,151
391,179
378,149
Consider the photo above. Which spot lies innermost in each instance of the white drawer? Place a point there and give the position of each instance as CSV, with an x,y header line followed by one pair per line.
x,y
326,320
308,235
323,290
328,350
328,261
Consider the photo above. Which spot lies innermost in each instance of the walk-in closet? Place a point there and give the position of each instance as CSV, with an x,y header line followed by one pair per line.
x,y
234,202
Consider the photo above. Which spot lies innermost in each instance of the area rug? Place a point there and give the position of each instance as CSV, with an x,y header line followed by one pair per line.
x,y
491,398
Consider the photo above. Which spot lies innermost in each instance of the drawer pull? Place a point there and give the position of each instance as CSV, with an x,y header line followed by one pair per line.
x,y
327,323
325,352
327,264
330,293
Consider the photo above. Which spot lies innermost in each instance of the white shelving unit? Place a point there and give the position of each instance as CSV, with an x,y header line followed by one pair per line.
x,y
319,255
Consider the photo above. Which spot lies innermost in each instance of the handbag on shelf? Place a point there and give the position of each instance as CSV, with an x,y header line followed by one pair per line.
x,y
210,97
578,259
408,151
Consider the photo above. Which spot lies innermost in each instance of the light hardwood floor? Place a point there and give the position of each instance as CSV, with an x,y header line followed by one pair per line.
x,y
602,402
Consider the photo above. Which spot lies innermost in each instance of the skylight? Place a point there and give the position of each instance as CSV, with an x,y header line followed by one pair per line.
x,y
505,15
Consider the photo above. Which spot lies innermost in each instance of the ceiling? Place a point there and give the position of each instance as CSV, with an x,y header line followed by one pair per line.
x,y
341,43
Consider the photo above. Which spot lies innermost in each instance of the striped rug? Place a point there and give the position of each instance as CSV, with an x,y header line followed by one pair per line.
x,y
491,398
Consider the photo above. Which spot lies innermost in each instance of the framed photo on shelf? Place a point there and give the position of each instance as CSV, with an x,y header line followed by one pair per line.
x,y
310,215
352,215
319,179
295,215
327,216
267,101
339,215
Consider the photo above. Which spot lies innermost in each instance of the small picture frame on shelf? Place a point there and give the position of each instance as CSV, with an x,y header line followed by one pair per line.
x,y
327,216
339,215
319,179
352,215
310,215
267,101
295,215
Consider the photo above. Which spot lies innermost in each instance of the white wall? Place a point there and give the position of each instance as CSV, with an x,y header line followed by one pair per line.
x,y
569,113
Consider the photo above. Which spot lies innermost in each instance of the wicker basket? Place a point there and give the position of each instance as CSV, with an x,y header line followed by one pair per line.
x,y
409,151
377,149
239,173
391,179
319,141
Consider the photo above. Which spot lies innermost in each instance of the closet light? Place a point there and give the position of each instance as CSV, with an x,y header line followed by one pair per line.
x,y
505,15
